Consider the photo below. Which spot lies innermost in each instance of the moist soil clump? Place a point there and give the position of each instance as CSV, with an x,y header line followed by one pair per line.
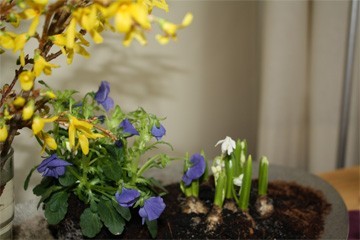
x,y
299,213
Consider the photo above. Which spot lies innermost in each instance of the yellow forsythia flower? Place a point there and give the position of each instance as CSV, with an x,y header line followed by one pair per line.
x,y
170,29
28,110
26,79
39,123
3,133
41,65
49,142
83,130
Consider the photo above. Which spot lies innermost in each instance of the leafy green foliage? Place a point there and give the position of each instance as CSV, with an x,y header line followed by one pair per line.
x,y
111,217
67,179
152,226
90,223
56,207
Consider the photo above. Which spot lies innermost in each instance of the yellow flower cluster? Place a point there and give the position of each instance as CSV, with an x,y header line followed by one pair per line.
x,y
82,130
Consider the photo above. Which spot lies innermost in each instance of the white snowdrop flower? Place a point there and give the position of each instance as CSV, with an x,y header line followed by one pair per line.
x,y
67,144
227,145
238,180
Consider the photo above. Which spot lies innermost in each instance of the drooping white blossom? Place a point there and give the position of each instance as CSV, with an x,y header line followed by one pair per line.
x,y
227,145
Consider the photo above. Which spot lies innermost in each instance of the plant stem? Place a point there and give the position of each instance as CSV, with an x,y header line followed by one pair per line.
x,y
263,176
220,189
229,169
246,186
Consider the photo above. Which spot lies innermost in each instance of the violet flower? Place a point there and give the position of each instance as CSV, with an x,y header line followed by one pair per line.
x,y
158,133
128,127
196,170
102,96
127,197
152,209
53,166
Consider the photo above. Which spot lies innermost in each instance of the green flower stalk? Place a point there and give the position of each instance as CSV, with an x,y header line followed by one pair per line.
x,y
264,204
246,186
263,176
229,169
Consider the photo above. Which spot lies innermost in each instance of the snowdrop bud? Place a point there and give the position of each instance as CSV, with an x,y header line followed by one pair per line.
x,y
238,180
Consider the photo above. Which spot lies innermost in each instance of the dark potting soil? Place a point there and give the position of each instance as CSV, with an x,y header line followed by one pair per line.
x,y
299,214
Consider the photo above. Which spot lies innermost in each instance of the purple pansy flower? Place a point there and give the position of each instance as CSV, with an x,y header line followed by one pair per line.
x,y
196,170
102,96
53,166
128,127
152,209
127,197
158,132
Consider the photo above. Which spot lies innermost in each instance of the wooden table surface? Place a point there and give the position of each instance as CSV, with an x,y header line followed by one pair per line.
x,y
347,182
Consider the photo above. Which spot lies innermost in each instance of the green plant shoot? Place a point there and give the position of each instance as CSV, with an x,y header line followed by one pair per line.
x,y
220,189
263,176
246,186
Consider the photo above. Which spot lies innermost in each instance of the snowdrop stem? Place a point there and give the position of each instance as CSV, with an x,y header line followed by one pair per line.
x,y
220,189
246,185
263,176
195,188
229,169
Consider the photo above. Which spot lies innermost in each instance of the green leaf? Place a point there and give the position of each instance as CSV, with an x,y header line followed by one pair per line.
x,y
124,212
111,218
152,227
43,186
67,179
112,170
90,223
56,207
116,117
26,183
246,186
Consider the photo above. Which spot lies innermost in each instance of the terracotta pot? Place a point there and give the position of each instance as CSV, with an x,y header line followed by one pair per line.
x,y
6,195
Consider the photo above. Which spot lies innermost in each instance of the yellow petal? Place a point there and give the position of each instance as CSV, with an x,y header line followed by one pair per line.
x,y
84,143
3,133
70,36
169,28
7,42
162,39
122,22
33,26
22,58
37,125
72,131
140,14
96,37
187,20
19,42
50,142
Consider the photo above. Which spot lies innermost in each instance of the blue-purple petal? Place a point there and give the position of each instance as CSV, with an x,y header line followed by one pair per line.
x,y
128,127
108,104
127,197
158,132
53,166
196,170
103,92
102,96
152,209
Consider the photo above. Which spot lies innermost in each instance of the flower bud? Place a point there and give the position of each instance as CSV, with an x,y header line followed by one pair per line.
x,y
3,133
28,110
26,80
19,102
